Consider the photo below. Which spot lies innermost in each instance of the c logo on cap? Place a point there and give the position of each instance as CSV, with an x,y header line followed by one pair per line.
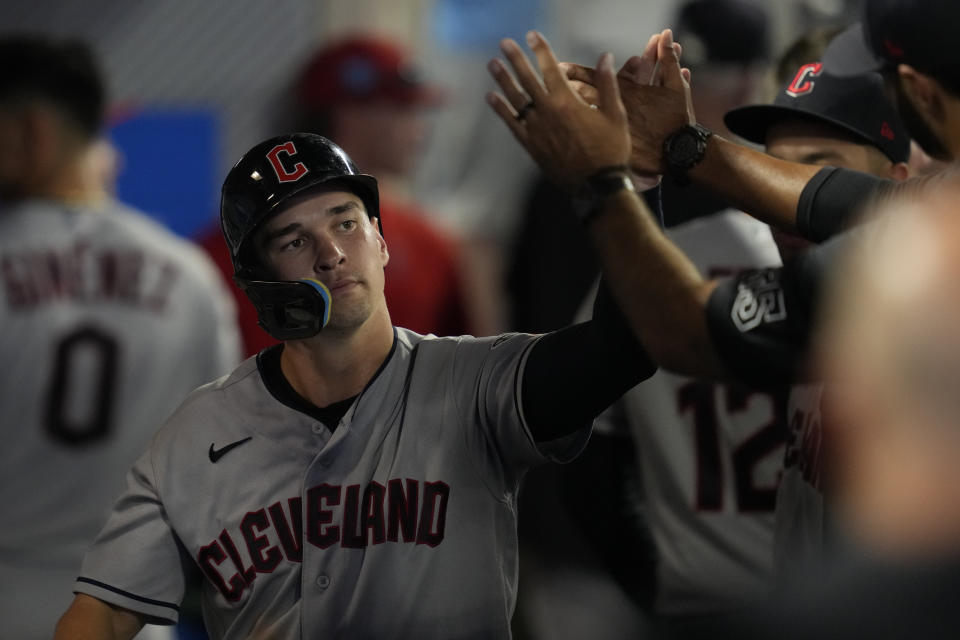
x,y
802,83
299,169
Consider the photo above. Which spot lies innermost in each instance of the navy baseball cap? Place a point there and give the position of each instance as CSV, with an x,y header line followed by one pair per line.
x,y
920,33
857,105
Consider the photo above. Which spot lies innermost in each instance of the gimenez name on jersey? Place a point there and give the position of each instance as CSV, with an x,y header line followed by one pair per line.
x,y
83,273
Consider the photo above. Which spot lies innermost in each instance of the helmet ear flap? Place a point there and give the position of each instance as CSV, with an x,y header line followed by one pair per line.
x,y
289,310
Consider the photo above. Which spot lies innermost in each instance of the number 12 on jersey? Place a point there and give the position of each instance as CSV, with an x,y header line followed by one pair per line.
x,y
715,407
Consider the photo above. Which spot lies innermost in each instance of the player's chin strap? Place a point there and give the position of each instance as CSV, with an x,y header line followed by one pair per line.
x,y
289,310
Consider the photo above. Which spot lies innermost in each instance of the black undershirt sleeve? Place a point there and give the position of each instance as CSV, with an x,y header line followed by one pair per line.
x,y
575,373
831,201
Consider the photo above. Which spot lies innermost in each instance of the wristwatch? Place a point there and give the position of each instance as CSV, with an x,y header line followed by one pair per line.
x,y
683,149
589,199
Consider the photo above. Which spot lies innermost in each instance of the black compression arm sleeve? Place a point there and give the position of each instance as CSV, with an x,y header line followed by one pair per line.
x,y
830,201
575,373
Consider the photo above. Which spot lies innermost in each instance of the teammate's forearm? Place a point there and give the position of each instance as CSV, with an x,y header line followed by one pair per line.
x,y
765,187
656,287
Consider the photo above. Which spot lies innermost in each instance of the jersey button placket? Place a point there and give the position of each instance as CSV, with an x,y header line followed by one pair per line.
x,y
322,582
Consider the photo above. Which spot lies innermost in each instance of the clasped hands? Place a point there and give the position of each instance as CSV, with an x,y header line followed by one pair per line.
x,y
575,121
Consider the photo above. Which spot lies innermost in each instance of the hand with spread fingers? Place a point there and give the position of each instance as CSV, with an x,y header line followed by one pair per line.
x,y
655,91
571,139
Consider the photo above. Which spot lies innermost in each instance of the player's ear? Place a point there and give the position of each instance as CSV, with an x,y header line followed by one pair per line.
x,y
898,171
381,243
924,92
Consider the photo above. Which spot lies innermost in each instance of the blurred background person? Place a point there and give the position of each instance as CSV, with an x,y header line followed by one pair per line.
x,y
895,413
109,322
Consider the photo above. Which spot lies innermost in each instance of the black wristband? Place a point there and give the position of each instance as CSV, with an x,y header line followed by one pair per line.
x,y
597,188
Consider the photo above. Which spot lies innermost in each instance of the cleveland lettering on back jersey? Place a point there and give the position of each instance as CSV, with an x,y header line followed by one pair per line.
x,y
398,523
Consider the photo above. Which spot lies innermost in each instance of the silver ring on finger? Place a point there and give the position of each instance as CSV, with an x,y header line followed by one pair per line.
x,y
524,110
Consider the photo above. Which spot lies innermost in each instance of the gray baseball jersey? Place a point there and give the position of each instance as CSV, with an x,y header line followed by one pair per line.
x,y
799,543
709,454
401,523
109,321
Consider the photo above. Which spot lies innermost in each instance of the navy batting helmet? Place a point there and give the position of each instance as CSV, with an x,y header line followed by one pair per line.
x,y
266,176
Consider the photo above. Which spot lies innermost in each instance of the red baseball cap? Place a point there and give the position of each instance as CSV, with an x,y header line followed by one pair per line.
x,y
363,68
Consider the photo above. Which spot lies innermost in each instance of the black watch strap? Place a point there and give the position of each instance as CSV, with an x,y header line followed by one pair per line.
x,y
589,199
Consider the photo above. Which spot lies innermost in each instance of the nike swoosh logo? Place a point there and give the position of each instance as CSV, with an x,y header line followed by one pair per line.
x,y
216,454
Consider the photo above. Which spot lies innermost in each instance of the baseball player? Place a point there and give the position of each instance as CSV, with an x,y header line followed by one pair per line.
x,y
711,456
823,120
734,327
109,322
358,480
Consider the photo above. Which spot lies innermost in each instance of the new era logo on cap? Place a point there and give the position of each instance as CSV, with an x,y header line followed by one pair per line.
x,y
893,50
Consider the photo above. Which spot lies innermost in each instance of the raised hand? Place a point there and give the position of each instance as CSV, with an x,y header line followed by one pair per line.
x,y
567,136
656,93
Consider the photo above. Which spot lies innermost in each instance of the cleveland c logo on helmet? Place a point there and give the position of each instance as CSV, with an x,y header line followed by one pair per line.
x,y
802,83
299,169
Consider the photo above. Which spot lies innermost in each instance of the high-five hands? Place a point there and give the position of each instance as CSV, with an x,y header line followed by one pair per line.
x,y
655,91
569,137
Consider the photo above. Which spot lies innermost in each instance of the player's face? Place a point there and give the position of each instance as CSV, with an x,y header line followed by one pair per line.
x,y
813,143
329,236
